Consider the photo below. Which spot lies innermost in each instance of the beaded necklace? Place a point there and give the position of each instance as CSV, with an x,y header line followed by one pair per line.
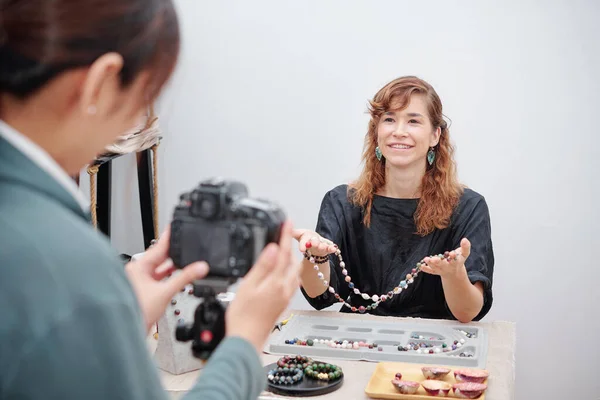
x,y
376,299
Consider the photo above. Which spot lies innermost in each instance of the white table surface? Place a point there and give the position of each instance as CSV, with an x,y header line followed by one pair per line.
x,y
500,363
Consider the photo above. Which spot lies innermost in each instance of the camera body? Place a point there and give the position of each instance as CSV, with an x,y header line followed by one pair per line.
x,y
219,223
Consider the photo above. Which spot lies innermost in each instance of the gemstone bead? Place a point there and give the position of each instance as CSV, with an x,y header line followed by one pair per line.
x,y
361,309
344,272
342,264
348,279
351,285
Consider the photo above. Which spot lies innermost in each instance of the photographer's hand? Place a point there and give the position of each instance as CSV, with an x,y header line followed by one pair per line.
x,y
265,292
151,280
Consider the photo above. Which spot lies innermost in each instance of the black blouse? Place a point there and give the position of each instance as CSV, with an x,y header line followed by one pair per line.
x,y
379,257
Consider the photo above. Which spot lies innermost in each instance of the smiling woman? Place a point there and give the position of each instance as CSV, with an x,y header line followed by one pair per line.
x,y
406,207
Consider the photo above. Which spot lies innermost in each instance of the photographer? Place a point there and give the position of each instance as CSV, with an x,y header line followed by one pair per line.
x,y
74,75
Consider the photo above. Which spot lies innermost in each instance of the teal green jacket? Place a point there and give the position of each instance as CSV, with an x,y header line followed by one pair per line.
x,y
70,324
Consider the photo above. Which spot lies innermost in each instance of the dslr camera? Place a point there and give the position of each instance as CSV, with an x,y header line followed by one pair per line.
x,y
219,223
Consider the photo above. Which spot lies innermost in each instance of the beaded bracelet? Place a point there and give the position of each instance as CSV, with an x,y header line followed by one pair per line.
x,y
323,372
285,376
292,362
315,259
289,370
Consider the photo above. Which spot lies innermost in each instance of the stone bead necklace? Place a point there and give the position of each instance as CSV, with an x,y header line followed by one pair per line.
x,y
376,299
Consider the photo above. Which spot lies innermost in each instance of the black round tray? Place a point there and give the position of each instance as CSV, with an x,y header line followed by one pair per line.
x,y
306,387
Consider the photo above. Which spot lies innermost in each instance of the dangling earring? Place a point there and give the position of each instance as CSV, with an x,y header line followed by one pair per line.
x,y
430,156
378,153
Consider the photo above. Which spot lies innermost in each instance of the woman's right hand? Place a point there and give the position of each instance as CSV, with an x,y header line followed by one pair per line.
x,y
265,292
318,245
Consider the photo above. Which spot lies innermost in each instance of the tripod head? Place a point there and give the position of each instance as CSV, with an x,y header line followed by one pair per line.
x,y
208,328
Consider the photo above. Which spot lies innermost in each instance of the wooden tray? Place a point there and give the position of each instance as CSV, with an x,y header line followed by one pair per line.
x,y
380,385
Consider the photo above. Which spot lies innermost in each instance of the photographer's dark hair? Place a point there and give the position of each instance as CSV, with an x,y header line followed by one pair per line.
x,y
40,39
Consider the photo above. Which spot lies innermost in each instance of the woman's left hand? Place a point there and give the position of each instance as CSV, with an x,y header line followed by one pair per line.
x,y
147,276
451,265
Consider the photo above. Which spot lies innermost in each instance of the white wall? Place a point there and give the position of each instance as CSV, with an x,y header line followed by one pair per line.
x,y
267,86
